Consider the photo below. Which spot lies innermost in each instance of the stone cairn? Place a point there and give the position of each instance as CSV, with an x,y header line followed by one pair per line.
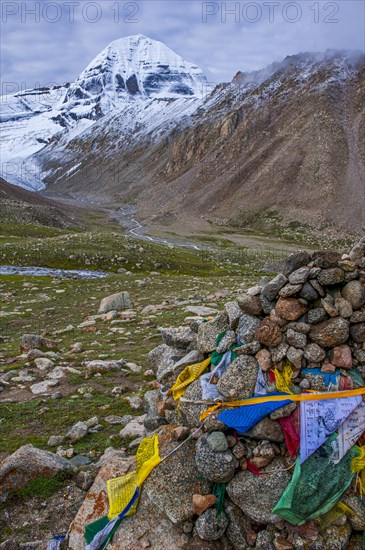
x,y
312,315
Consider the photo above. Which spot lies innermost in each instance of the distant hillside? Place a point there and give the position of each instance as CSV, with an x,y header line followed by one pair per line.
x,y
18,206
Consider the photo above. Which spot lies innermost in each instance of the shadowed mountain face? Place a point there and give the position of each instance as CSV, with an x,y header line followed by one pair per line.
x,y
135,66
287,140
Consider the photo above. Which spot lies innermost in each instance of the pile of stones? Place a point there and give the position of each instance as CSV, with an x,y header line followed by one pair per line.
x,y
311,315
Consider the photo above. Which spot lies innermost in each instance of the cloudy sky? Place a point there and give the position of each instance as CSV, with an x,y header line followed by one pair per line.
x,y
45,42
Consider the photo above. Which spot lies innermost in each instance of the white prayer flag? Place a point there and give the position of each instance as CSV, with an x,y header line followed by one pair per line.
x,y
319,419
348,433
261,385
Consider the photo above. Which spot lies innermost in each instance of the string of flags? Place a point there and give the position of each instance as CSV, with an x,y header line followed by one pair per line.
x,y
123,495
325,430
124,492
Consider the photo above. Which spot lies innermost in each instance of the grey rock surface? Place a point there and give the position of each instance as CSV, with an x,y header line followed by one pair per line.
x,y
256,496
234,312
179,337
239,380
211,526
118,301
214,466
271,289
208,332
171,486
217,442
28,463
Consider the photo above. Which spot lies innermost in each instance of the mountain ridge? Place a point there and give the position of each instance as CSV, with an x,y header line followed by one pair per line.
x,y
289,144
285,139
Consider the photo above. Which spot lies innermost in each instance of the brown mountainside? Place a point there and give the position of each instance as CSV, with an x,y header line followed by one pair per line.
x,y
288,140
19,206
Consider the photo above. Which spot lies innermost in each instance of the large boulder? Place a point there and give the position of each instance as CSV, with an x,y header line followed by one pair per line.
x,y
326,258
148,528
271,289
96,504
34,341
239,380
115,302
217,466
28,463
268,333
331,276
247,328
257,495
134,428
43,387
180,337
43,363
290,309
331,333
299,276
208,332
354,292
308,292
167,362
295,261
171,486
233,311
250,304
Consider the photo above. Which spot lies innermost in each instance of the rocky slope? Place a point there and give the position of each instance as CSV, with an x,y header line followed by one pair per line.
x,y
285,141
282,143
19,206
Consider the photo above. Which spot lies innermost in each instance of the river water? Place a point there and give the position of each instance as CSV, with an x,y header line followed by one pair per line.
x,y
51,272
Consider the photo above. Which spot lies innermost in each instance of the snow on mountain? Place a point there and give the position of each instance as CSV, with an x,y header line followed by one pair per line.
x,y
134,127
295,72
129,74
132,95
26,126
135,66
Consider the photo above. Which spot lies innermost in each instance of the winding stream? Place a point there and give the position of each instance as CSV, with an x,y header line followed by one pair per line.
x,y
51,272
124,216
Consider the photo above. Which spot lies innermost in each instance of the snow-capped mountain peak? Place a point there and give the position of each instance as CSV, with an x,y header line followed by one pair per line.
x,y
135,67
131,74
